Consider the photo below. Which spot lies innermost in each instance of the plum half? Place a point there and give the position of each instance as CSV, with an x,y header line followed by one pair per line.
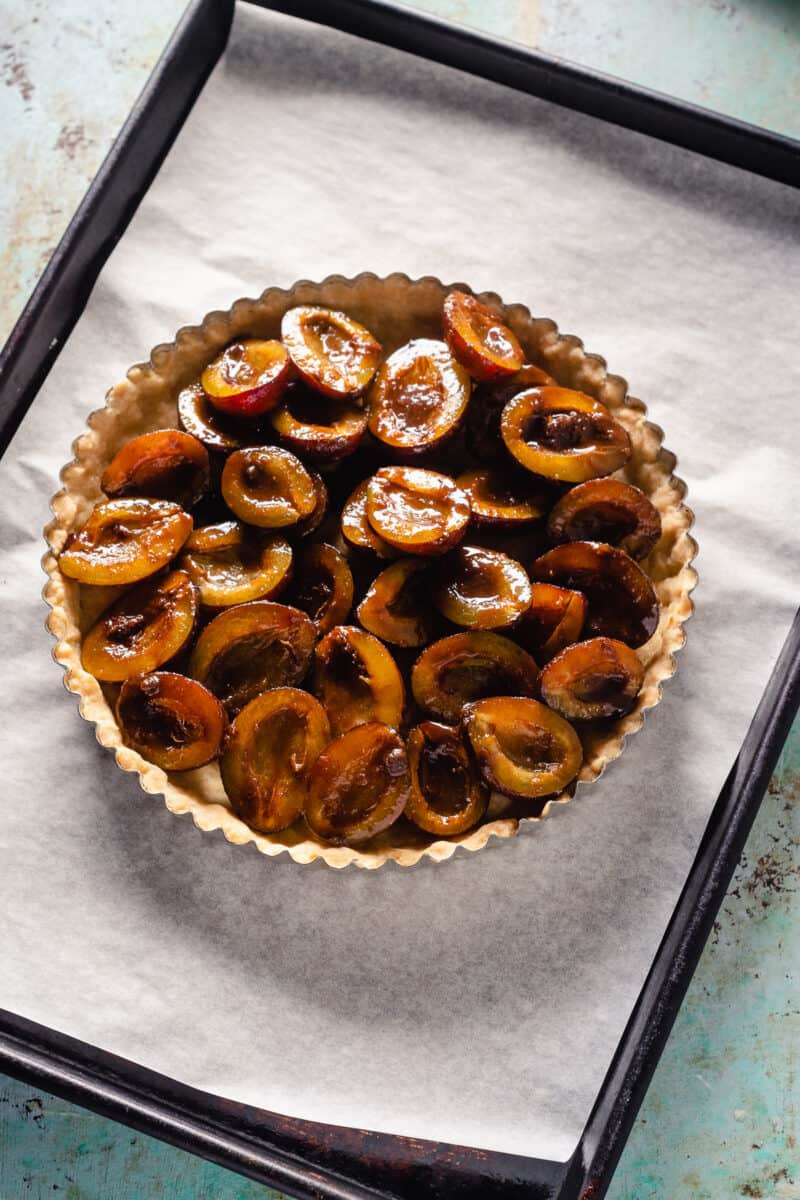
x,y
144,629
470,666
124,541
418,398
417,511
332,353
357,680
564,435
522,747
356,528
359,785
248,378
231,563
554,620
607,510
447,794
217,432
320,430
482,425
598,678
251,648
478,338
621,600
397,605
273,744
323,586
163,465
268,486
481,589
170,720
502,498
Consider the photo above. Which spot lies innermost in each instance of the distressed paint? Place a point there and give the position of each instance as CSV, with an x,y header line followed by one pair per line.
x,y
51,1149
721,1118
737,56
68,77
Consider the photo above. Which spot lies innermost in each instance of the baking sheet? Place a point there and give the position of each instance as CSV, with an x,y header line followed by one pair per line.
x,y
479,1001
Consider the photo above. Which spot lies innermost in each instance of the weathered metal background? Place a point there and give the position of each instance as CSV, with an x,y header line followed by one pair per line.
x,y
721,1118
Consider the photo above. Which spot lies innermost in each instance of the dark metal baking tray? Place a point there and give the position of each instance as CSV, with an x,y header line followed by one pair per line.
x,y
302,1158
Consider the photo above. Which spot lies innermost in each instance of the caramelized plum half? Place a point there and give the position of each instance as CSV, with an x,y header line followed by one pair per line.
x,y
144,629
332,352
598,678
357,530
124,541
323,586
479,339
273,744
621,600
501,497
522,747
317,428
248,378
607,510
267,486
553,621
486,408
197,416
357,680
170,720
447,795
470,666
359,785
481,589
418,398
251,648
231,564
396,607
563,435
417,511
163,465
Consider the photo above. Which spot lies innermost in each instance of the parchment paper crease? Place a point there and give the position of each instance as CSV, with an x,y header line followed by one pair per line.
x,y
478,1002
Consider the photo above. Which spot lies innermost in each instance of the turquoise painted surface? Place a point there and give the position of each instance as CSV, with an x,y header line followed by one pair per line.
x,y
69,75
737,56
721,1118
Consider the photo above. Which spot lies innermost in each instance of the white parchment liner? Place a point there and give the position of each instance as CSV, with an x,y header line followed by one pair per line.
x,y
480,1003
396,310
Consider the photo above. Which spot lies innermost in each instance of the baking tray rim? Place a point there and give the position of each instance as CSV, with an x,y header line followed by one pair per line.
x,y
123,1093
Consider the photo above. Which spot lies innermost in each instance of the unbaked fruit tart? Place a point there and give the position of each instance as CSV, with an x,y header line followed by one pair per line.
x,y
368,570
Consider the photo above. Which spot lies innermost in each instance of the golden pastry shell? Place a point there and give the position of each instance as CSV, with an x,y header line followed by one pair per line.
x,y
395,309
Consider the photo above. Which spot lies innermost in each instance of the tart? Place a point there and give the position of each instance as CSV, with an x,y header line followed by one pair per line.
x,y
414,537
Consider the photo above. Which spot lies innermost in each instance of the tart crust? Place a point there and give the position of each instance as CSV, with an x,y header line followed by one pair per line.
x,y
395,309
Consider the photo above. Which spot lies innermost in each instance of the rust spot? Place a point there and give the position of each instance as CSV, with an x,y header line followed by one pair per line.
x,y
751,1189
770,874
71,139
33,1110
14,71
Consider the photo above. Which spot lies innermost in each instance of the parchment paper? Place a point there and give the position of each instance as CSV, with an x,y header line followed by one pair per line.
x,y
480,1001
